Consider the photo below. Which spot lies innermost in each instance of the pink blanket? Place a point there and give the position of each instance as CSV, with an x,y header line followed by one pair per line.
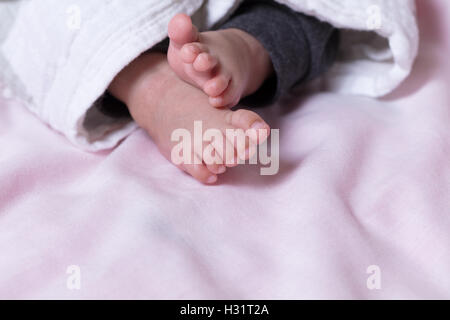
x,y
360,208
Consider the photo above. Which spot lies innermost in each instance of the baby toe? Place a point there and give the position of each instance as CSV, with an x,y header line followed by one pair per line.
x,y
189,52
217,102
228,99
216,86
205,62
181,30
225,150
216,168
201,173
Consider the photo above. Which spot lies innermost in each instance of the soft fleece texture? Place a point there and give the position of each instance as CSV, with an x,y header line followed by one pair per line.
x,y
362,182
65,70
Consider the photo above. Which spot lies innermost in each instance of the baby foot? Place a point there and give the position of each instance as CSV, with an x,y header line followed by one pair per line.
x,y
227,64
161,103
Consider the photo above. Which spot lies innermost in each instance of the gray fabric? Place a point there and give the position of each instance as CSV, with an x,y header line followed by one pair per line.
x,y
301,47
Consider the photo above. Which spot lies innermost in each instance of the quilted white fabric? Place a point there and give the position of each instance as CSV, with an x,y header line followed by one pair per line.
x,y
65,53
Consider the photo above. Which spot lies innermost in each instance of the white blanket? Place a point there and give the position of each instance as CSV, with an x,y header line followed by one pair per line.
x,y
64,53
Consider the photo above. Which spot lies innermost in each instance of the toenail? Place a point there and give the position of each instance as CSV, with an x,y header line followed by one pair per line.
x,y
211,180
217,101
258,125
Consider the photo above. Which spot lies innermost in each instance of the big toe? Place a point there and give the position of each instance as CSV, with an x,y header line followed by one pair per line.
x,y
249,120
181,30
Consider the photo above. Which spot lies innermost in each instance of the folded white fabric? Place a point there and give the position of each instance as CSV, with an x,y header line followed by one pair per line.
x,y
65,53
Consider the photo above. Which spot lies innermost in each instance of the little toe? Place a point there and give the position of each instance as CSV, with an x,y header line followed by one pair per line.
x,y
216,102
216,86
200,172
216,168
225,150
182,31
205,62
228,99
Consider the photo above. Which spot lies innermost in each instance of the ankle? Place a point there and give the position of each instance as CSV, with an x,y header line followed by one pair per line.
x,y
144,86
257,56
136,77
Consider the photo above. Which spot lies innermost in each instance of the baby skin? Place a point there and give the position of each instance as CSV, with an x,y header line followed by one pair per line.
x,y
161,103
227,65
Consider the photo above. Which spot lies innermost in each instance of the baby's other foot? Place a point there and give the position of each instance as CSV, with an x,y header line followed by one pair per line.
x,y
162,104
227,65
